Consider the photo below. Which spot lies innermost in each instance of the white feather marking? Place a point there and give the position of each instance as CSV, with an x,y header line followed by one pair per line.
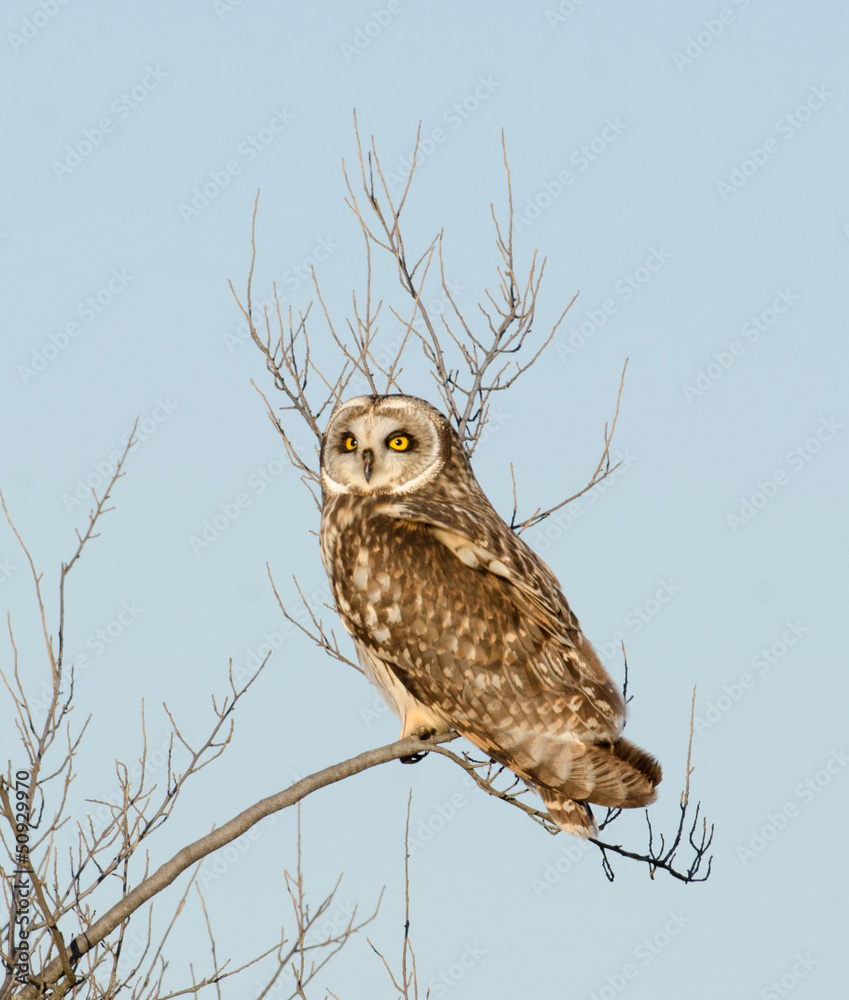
x,y
448,643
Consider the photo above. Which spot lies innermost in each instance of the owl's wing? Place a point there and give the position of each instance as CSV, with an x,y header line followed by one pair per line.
x,y
478,537
450,603
563,662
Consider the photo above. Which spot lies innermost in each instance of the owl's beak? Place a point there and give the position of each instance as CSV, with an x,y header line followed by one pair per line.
x,y
368,458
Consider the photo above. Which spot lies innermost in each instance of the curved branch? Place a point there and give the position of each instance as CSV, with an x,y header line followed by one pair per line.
x,y
193,853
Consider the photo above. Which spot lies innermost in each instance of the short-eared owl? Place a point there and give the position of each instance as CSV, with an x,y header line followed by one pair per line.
x,y
457,622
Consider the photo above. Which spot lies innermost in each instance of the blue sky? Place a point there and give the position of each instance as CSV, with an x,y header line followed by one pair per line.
x,y
682,168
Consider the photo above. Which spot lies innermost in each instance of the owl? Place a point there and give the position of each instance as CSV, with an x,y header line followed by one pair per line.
x,y
457,622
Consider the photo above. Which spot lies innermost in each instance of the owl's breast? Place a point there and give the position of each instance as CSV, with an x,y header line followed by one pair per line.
x,y
375,578
405,594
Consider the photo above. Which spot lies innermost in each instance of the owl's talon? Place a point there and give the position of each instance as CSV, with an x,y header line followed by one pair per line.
x,y
423,733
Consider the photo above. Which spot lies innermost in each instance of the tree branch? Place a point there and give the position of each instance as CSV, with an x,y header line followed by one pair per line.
x,y
237,826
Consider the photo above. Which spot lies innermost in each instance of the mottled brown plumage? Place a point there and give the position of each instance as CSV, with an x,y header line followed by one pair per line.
x,y
458,622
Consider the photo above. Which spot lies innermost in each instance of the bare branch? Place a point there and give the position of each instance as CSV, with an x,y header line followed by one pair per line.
x,y
597,476
225,834
486,773
685,795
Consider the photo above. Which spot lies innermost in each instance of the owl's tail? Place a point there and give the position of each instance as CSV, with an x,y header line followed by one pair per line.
x,y
571,816
619,775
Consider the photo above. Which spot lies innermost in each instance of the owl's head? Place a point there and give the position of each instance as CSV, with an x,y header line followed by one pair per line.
x,y
383,444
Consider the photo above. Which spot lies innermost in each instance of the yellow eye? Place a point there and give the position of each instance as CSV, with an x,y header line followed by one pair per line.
x,y
350,443
399,443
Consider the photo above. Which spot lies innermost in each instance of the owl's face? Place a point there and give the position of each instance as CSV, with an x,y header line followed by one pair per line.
x,y
382,444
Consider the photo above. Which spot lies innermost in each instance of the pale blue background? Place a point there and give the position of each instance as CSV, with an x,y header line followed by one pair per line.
x,y
168,337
